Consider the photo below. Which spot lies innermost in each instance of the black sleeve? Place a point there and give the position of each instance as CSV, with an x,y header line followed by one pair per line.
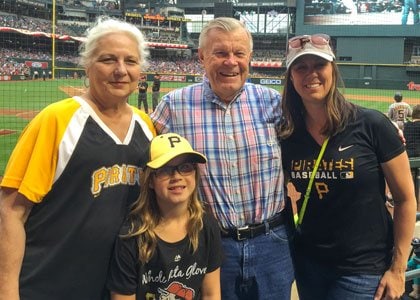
x,y
387,142
215,245
123,276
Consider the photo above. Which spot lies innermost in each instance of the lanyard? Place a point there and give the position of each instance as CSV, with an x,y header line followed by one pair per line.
x,y
298,221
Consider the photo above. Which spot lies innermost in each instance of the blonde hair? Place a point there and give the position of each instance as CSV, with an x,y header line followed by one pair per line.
x,y
144,217
104,26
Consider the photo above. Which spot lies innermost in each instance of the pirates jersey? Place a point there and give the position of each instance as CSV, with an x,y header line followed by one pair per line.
x,y
346,223
82,179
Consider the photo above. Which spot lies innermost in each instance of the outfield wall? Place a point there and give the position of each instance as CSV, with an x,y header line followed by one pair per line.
x,y
398,77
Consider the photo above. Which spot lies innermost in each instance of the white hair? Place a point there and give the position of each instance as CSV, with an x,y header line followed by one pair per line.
x,y
225,24
104,26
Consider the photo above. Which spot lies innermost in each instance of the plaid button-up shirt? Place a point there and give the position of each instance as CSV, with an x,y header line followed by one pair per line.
x,y
243,179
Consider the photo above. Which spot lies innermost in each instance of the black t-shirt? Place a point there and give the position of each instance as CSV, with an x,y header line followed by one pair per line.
x,y
143,85
346,224
173,271
156,85
412,137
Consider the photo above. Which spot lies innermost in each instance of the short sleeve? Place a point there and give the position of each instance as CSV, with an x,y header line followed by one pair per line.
x,y
123,276
216,252
387,141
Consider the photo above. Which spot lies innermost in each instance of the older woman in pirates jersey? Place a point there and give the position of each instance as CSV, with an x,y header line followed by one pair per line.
x,y
338,156
73,174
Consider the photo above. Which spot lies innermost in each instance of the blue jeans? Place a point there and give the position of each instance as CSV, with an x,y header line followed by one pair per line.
x,y
258,268
406,9
318,281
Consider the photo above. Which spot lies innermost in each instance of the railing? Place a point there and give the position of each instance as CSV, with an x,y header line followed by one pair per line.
x,y
412,274
415,170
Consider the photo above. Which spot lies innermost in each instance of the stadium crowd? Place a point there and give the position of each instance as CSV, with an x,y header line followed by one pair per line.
x,y
9,51
9,65
12,67
28,23
78,29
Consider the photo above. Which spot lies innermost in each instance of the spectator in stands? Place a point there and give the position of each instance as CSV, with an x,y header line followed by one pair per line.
x,y
338,156
155,90
413,6
178,65
412,133
234,124
399,111
61,202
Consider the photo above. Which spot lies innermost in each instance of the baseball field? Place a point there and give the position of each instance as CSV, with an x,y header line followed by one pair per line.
x,y
21,100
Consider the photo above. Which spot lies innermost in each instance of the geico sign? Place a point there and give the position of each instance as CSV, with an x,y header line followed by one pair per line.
x,y
270,81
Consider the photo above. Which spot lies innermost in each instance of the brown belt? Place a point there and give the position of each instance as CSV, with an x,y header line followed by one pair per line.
x,y
253,230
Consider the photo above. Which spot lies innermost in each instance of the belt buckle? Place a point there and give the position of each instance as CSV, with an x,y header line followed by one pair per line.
x,y
238,233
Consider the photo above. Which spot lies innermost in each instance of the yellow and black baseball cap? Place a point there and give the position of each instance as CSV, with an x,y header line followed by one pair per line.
x,y
166,147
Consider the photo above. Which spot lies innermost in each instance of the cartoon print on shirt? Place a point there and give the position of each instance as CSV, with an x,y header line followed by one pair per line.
x,y
174,291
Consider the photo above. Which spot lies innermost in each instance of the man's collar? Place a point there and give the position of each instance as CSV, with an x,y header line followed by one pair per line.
x,y
209,93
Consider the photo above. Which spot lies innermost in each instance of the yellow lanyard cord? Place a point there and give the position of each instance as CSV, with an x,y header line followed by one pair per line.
x,y
298,221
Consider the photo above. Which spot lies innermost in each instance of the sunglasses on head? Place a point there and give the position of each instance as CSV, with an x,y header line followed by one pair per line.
x,y
317,40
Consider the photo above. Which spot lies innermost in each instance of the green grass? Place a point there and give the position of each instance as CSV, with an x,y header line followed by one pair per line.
x,y
381,106
381,92
32,95
35,95
7,143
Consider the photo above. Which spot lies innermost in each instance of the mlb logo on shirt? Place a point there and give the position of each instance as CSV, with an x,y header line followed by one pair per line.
x,y
347,175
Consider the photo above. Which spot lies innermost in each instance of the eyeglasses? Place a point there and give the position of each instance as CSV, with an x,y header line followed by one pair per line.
x,y
167,171
317,40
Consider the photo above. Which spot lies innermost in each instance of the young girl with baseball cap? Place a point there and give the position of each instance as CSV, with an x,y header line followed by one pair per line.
x,y
169,246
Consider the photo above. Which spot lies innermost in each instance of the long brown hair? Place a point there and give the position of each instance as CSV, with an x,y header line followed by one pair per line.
x,y
339,110
144,216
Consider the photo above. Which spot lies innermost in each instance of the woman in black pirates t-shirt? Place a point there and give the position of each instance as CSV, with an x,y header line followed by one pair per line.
x,y
169,248
347,246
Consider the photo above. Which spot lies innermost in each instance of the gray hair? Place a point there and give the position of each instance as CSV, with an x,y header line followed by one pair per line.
x,y
224,24
104,26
